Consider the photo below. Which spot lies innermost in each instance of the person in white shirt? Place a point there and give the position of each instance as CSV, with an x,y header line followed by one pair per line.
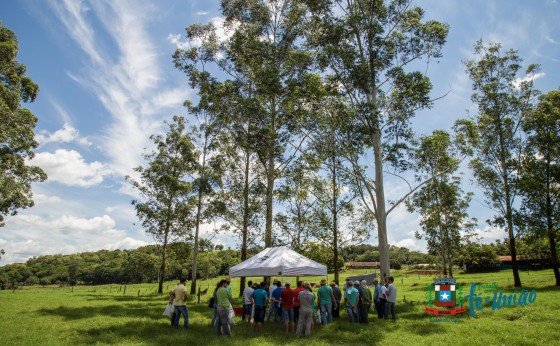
x,y
391,299
247,302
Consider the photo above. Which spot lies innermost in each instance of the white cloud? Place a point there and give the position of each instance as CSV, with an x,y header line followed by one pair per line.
x,y
68,167
26,236
66,134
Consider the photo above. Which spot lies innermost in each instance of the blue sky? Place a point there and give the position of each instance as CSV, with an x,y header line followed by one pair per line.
x,y
107,82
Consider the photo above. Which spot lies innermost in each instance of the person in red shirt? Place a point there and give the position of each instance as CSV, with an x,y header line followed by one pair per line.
x,y
297,290
287,297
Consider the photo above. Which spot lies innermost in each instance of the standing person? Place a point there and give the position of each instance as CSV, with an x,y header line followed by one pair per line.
x,y
376,293
215,306
382,299
359,306
276,298
180,303
312,305
366,302
247,303
391,299
297,290
287,298
337,297
225,300
306,299
325,299
351,299
272,305
258,298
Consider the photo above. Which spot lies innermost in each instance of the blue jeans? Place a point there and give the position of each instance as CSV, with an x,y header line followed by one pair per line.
x,y
390,306
287,315
181,309
352,314
326,313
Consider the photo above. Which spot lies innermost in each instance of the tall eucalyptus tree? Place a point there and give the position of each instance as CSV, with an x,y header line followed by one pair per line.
x,y
496,131
366,47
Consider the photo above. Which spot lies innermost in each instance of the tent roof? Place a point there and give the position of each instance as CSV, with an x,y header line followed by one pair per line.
x,y
274,261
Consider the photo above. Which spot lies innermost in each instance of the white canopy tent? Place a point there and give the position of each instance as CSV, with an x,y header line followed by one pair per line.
x,y
278,261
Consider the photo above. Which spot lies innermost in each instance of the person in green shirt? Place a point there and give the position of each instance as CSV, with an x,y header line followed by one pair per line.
x,y
325,299
366,302
225,300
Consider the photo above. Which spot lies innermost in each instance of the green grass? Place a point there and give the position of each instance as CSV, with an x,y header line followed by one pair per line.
x,y
105,315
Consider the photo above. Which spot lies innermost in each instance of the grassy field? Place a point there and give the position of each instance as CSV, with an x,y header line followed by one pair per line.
x,y
106,315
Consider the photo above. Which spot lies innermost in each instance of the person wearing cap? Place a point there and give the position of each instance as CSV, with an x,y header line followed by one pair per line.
x,y
325,299
337,297
306,299
180,304
366,302
351,300
287,297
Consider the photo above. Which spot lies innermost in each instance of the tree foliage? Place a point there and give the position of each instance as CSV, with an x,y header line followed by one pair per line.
x,y
496,130
540,178
166,186
441,202
17,139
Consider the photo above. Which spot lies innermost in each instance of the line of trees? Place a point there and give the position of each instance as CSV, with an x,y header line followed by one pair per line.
x,y
303,108
142,265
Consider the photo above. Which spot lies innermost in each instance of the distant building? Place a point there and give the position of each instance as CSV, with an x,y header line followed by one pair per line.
x,y
362,265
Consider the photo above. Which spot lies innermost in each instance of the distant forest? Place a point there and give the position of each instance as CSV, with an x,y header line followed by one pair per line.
x,y
142,265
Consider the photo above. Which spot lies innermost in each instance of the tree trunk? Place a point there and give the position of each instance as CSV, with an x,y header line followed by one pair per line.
x,y
199,214
335,221
380,213
162,267
550,229
245,229
270,176
195,250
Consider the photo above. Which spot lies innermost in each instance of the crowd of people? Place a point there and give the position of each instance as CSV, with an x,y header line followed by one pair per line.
x,y
298,309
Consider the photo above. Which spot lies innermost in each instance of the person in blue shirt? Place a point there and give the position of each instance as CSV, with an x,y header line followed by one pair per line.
x,y
276,298
259,297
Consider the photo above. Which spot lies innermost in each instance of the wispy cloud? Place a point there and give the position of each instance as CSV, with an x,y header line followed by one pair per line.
x,y
551,40
125,73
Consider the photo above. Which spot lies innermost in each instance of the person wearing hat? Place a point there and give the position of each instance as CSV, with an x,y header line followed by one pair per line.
x,y
287,297
351,300
337,297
